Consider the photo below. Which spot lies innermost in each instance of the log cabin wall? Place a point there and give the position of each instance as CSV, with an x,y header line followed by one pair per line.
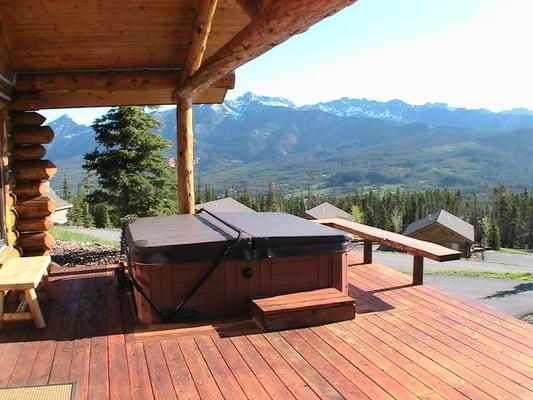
x,y
31,175
8,214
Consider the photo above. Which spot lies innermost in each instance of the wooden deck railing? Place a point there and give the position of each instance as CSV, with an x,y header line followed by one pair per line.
x,y
417,248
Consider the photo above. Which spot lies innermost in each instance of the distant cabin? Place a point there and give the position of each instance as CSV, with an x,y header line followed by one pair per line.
x,y
445,229
59,216
327,210
227,204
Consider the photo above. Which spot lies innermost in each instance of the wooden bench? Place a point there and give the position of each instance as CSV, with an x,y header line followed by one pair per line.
x,y
25,274
298,310
417,248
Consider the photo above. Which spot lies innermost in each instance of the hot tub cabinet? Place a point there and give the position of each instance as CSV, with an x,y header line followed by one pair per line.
x,y
277,254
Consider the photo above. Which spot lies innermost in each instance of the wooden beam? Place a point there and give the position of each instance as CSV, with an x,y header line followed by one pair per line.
x,y
97,80
278,21
185,148
78,89
200,33
250,7
111,81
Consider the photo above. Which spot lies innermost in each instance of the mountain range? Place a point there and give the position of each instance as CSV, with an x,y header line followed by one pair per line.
x,y
338,146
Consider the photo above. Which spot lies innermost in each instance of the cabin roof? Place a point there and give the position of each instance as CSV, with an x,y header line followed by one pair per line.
x,y
227,204
327,211
445,219
105,53
60,204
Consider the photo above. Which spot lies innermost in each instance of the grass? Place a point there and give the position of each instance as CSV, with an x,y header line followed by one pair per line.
x,y
68,235
518,276
516,251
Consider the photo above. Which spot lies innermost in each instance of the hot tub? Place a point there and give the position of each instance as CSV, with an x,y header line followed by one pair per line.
x,y
277,253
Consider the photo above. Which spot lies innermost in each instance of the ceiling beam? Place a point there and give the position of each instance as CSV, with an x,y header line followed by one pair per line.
x,y
35,91
96,80
278,21
253,7
249,7
200,34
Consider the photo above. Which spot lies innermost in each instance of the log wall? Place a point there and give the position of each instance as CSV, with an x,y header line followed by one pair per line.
x,y
32,206
9,215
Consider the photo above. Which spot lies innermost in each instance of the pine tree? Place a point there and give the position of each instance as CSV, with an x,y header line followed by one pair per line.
x,y
486,231
133,174
66,191
494,238
272,200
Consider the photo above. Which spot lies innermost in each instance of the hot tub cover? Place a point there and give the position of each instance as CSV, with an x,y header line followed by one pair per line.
x,y
201,237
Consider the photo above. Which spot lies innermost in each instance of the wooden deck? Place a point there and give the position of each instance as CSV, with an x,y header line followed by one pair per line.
x,y
406,342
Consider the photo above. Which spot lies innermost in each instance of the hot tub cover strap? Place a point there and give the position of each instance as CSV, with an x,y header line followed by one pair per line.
x,y
180,312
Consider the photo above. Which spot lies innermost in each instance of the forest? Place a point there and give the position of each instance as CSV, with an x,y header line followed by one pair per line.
x,y
500,217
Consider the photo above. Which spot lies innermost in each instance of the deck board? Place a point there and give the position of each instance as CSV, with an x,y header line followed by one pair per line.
x,y
405,342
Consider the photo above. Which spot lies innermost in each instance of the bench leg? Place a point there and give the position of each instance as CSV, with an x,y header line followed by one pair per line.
x,y
418,270
1,307
33,305
367,252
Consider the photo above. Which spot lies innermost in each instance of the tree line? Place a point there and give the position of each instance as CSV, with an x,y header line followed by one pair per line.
x,y
129,176
500,217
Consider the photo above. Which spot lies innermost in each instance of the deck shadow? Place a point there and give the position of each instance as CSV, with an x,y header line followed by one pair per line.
x,y
366,301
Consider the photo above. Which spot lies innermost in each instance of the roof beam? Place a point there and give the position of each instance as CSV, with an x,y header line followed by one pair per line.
x,y
253,7
278,21
96,80
34,91
200,34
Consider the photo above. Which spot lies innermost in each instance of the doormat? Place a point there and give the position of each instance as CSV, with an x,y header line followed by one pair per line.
x,y
64,391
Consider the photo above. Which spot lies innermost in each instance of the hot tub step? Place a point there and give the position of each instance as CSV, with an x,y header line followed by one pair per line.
x,y
298,310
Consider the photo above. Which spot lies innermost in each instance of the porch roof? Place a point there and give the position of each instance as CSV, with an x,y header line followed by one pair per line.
x,y
100,53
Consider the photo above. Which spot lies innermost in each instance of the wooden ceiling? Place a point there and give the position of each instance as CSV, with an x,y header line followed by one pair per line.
x,y
80,53
56,35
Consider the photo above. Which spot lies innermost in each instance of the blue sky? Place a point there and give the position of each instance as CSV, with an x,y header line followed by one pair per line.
x,y
467,53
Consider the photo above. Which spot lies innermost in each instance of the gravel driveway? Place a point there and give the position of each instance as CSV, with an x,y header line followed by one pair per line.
x,y
404,263
505,295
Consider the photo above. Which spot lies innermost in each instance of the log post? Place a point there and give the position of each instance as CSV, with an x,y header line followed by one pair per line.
x,y
185,154
185,157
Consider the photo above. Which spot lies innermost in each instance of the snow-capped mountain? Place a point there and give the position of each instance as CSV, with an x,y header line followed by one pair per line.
x,y
340,144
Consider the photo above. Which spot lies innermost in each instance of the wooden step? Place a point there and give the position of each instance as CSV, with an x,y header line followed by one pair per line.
x,y
298,310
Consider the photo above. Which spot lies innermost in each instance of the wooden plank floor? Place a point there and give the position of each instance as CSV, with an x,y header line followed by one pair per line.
x,y
405,343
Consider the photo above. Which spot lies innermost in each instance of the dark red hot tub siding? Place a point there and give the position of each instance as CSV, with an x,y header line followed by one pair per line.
x,y
227,293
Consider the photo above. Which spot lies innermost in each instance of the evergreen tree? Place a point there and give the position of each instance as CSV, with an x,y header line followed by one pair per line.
x,y
494,238
486,231
66,191
246,198
272,200
133,174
